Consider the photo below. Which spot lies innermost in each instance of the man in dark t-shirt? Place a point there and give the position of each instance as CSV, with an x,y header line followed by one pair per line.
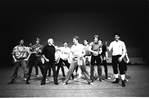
x,y
48,54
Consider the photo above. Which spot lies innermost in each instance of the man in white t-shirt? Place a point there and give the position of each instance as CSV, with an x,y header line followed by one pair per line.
x,y
64,58
118,52
77,54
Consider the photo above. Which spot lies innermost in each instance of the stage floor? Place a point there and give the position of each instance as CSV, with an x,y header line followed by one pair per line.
x,y
137,86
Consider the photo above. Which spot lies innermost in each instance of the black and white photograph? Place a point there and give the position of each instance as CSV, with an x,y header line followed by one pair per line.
x,y
74,48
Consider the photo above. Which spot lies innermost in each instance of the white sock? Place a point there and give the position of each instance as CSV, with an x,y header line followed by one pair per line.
x,y
123,77
116,76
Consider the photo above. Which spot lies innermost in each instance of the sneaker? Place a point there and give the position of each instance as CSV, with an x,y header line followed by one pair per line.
x,y
126,80
64,83
37,75
11,82
116,81
90,83
56,83
108,78
75,79
27,82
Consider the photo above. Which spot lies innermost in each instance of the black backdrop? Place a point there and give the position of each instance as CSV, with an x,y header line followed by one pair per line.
x,y
61,20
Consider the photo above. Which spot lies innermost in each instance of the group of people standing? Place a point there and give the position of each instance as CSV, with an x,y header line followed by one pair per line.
x,y
75,58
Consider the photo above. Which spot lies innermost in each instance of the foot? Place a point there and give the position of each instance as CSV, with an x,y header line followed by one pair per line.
x,y
25,78
43,83
123,83
64,83
116,81
46,79
126,80
90,83
27,82
108,78
37,75
56,83
100,79
11,82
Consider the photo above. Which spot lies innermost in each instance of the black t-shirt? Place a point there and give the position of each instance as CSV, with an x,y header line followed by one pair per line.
x,y
49,52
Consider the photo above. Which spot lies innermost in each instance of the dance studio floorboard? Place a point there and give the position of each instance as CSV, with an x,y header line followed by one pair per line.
x,y
137,86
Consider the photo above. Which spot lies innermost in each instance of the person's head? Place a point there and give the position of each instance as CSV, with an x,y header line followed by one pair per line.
x,y
85,42
116,36
96,38
21,42
106,43
100,40
65,44
76,39
30,44
37,40
50,41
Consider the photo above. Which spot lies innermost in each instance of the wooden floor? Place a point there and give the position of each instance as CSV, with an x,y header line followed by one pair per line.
x,y
137,86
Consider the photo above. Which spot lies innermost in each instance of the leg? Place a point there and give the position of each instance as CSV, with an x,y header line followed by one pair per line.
x,y
62,69
99,69
24,65
36,68
73,65
59,65
105,68
122,69
46,66
31,63
83,69
15,71
115,70
92,68
54,72
68,66
39,63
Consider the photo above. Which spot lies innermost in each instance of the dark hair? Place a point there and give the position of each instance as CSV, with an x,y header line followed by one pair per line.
x,y
86,40
117,34
96,37
76,37
65,42
38,39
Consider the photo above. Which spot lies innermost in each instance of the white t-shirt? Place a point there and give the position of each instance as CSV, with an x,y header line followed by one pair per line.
x,y
77,50
65,52
118,47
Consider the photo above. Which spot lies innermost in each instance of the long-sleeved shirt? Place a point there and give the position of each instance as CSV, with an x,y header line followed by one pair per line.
x,y
49,52
118,47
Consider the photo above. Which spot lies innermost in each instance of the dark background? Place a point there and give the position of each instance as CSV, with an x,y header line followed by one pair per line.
x,y
63,19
